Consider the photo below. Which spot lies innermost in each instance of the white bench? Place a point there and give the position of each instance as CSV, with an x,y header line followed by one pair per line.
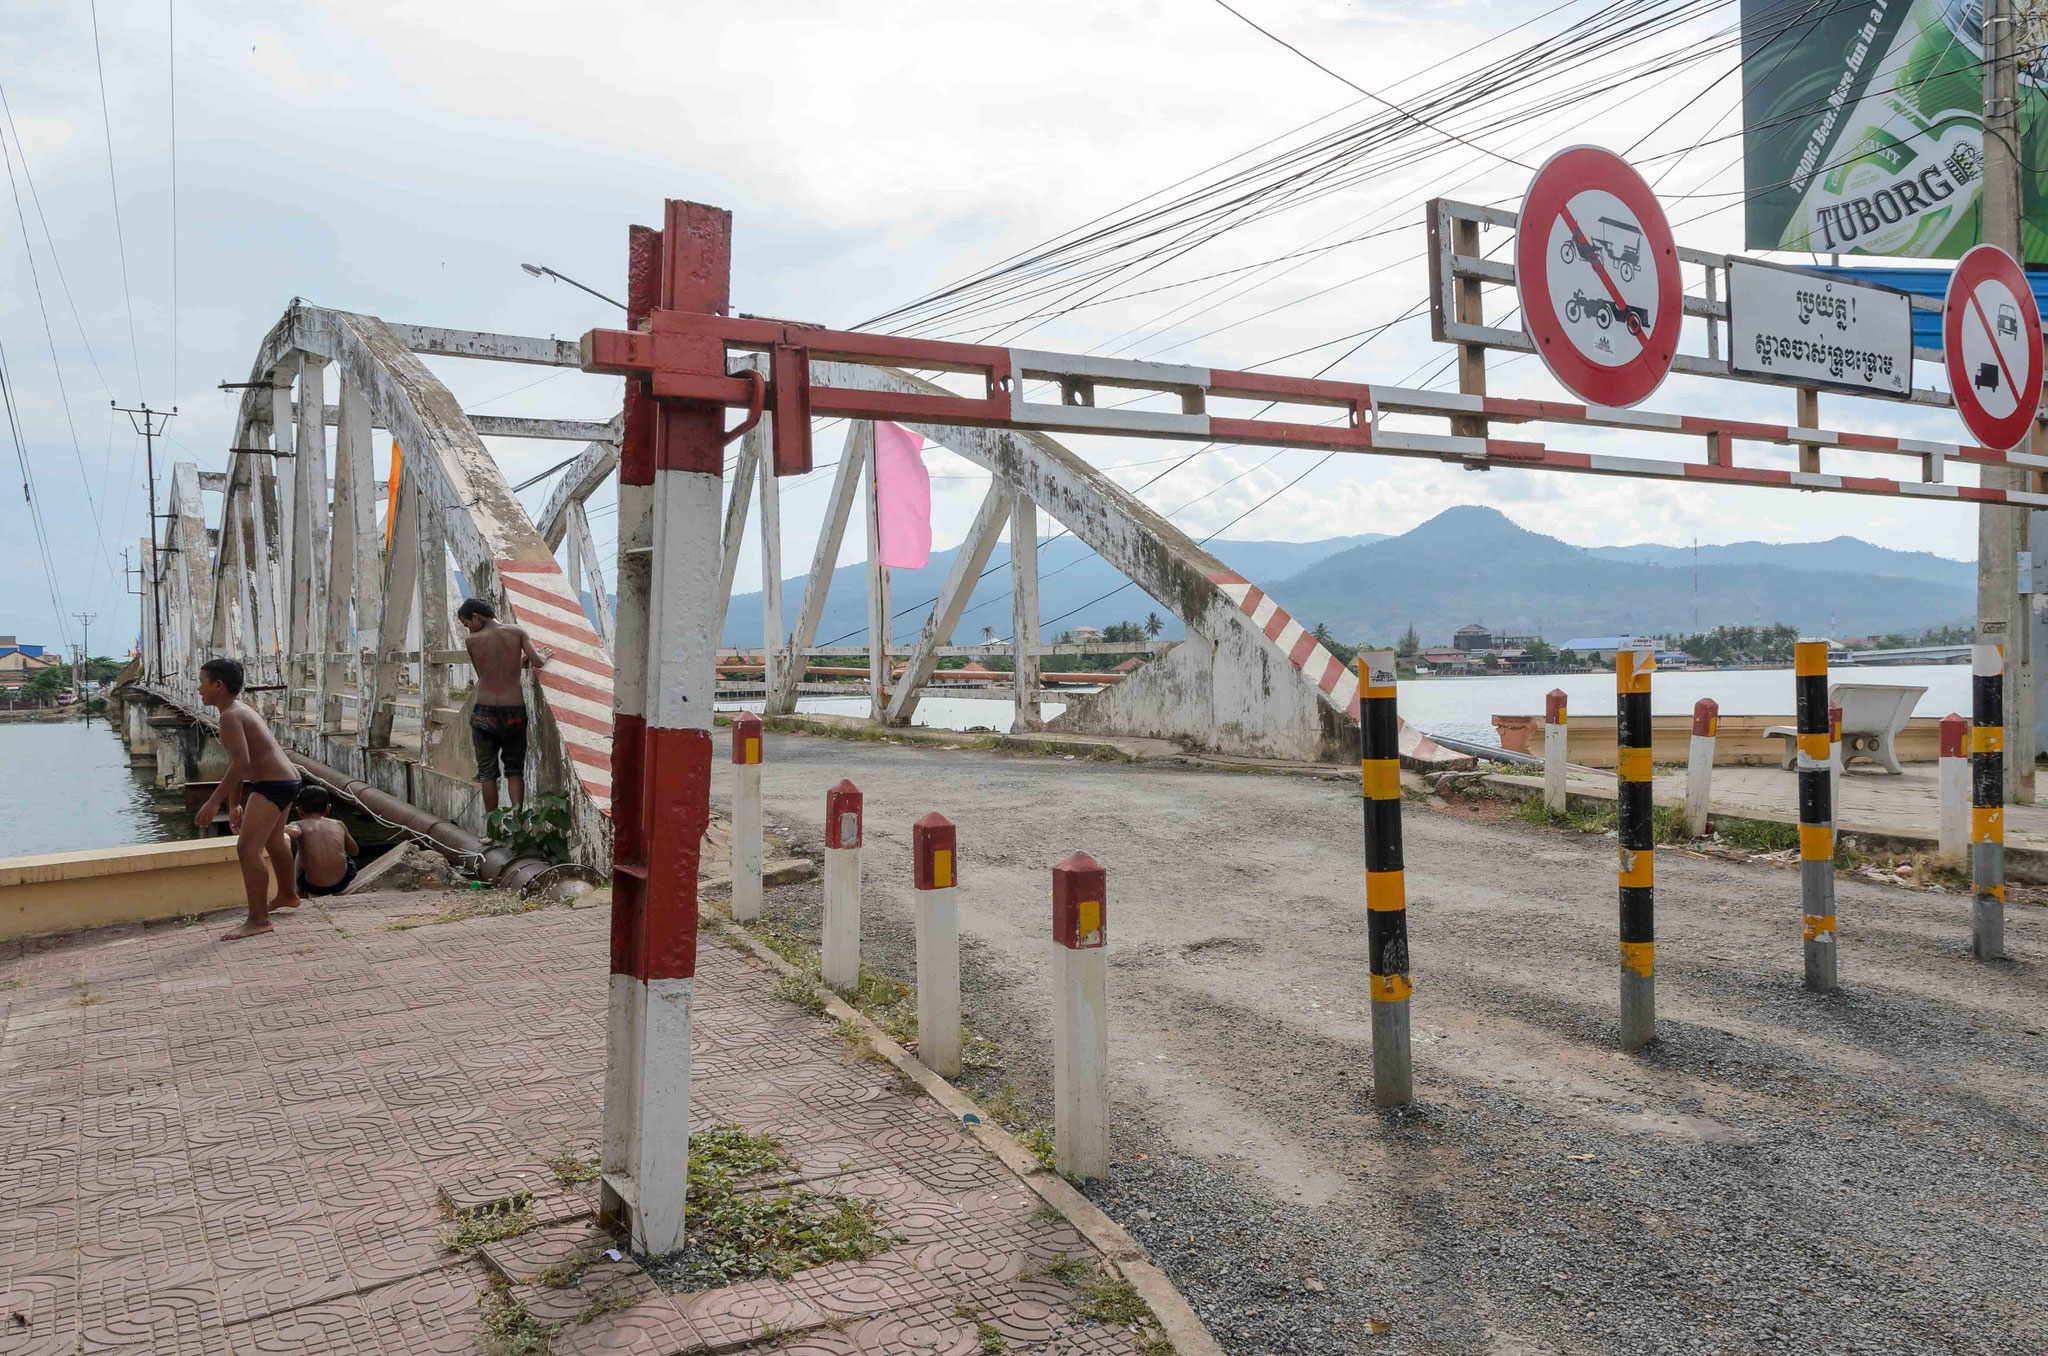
x,y
1872,716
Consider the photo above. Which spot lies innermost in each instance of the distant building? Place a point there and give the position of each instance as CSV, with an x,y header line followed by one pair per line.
x,y
1449,661
19,663
1085,633
1597,649
1472,638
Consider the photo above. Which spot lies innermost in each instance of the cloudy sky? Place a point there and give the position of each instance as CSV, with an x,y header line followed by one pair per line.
x,y
404,159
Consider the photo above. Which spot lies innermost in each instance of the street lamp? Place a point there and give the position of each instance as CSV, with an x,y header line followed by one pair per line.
x,y
543,271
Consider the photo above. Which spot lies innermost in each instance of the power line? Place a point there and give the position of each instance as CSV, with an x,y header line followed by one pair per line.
x,y
120,238
56,259
171,53
1413,117
29,496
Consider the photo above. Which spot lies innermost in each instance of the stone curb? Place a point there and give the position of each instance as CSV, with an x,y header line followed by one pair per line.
x,y
1177,1318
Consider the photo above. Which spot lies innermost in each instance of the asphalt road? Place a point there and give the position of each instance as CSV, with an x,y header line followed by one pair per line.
x,y
1863,1172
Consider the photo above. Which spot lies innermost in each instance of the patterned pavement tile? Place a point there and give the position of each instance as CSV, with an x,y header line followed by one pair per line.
x,y
738,1314
1025,1312
963,1263
389,1242
47,1305
926,1330
521,1260
336,1327
161,1320
437,1314
319,1080
841,1290
654,1328
600,1287
268,1263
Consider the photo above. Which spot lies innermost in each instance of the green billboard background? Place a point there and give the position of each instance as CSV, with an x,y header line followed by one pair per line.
x,y
1863,128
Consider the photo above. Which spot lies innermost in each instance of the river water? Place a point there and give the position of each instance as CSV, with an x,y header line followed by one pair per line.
x,y
67,787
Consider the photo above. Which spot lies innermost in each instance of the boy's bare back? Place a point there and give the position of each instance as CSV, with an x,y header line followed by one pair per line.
x,y
264,758
498,653
324,846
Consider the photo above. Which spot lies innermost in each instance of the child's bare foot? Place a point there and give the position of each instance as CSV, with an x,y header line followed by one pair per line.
x,y
281,902
246,930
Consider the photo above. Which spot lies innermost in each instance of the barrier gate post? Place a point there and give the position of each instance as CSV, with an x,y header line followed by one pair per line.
x,y
1386,885
671,462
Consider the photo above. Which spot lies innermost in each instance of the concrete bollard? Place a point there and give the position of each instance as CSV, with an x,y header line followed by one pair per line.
x,y
1816,812
934,867
1987,808
1955,785
1080,1020
1555,745
1638,872
746,817
1699,767
840,964
1386,887
1835,757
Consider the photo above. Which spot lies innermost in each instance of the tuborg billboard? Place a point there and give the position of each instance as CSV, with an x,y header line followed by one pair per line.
x,y
1863,127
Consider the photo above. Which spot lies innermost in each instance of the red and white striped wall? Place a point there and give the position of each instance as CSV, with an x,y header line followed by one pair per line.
x,y
1330,676
576,685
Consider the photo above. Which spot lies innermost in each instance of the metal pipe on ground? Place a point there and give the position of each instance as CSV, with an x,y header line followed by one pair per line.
x,y
496,865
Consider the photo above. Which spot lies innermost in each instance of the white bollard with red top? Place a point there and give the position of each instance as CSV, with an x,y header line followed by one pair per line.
x,y
1554,746
746,817
934,868
841,941
1080,1019
1699,768
1955,785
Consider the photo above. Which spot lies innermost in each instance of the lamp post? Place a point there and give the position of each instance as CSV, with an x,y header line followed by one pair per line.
x,y
543,271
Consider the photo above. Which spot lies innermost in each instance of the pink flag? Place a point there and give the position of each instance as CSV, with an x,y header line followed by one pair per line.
x,y
903,495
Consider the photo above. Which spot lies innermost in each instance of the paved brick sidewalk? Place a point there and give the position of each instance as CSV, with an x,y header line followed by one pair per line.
x,y
248,1148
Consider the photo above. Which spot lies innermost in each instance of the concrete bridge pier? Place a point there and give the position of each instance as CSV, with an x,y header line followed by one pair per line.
x,y
136,731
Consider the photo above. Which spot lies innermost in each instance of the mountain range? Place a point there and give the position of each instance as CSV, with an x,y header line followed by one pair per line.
x,y
1466,565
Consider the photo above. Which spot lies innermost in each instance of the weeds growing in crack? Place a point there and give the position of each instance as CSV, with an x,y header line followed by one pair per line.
x,y
991,1339
740,1233
468,1230
479,904
508,1330
800,989
571,1167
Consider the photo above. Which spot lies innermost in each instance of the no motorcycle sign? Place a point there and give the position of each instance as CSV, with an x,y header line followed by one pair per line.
x,y
1597,274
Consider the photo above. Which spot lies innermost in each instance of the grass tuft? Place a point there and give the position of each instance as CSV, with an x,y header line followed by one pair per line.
x,y
508,1330
801,989
471,1229
571,1167
739,1233
1941,868
477,904
991,1339
1757,835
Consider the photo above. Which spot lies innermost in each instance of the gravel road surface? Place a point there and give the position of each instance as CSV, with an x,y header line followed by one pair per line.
x,y
1779,1172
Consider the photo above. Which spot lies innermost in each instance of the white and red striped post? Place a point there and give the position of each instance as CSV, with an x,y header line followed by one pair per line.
x,y
841,940
934,846
1955,785
1554,746
670,463
1699,767
746,817
1080,1019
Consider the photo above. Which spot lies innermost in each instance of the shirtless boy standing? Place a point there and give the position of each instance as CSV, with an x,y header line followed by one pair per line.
x,y
327,850
497,721
257,764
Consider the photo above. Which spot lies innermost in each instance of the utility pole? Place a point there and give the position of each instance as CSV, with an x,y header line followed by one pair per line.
x,y
84,654
2003,613
150,423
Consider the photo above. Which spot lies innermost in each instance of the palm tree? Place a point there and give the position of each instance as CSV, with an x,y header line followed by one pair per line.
x,y
1153,626
1322,634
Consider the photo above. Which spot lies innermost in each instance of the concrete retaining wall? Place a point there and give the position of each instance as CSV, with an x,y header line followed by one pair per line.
x,y
63,890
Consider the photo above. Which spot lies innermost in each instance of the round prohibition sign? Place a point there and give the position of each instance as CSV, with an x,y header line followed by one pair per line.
x,y
1991,346
1597,275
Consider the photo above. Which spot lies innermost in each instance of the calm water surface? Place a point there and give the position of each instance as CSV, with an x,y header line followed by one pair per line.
x,y
67,787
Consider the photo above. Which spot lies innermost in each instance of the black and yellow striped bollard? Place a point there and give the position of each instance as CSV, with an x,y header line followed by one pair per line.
x,y
1386,890
1816,811
1987,799
1632,669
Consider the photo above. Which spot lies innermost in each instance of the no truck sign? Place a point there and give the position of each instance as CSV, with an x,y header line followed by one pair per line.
x,y
1597,274
1991,346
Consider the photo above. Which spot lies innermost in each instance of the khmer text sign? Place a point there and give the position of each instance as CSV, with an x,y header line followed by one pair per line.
x,y
1789,325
